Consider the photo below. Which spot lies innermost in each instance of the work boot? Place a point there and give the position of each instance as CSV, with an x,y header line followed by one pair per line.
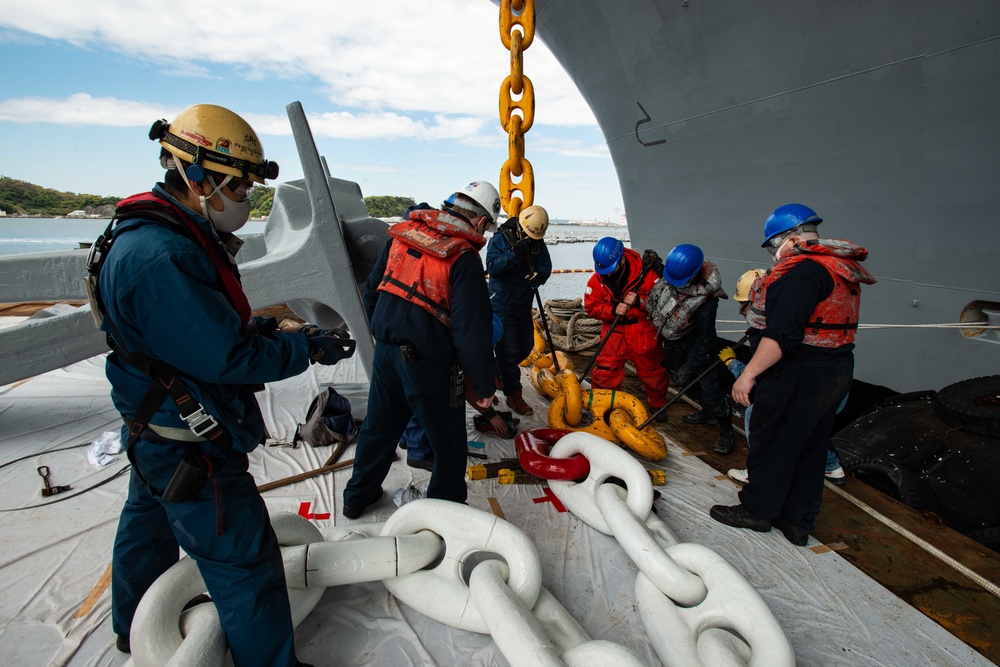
x,y
700,417
737,516
515,401
724,443
794,534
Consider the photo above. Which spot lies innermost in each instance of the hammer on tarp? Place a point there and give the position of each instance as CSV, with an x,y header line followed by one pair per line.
x,y
692,383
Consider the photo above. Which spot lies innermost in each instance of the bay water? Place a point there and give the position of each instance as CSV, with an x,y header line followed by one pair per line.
x,y
570,246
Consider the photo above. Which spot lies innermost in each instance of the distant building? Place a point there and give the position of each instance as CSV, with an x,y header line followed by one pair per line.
x,y
77,214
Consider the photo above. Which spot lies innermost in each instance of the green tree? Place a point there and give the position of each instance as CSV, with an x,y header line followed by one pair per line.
x,y
261,201
30,199
388,206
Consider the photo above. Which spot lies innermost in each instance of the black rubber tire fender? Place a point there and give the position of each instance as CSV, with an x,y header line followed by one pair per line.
x,y
988,537
972,405
888,477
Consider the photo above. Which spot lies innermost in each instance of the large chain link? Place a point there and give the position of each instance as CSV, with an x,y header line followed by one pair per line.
x,y
471,570
684,589
517,31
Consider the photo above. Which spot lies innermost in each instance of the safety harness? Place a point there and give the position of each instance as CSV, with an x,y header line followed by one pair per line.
x,y
166,378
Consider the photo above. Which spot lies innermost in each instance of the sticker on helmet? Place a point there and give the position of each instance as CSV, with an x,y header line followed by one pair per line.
x,y
195,136
222,145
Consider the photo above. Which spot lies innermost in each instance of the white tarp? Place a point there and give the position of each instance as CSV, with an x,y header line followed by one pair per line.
x,y
52,558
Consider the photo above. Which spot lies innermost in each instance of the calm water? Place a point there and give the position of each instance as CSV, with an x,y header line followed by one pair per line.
x,y
27,235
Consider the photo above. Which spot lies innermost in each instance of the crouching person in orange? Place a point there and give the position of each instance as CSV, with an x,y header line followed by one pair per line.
x,y
616,295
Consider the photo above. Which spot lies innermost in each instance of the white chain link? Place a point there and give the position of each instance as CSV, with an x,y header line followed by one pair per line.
x,y
483,575
683,589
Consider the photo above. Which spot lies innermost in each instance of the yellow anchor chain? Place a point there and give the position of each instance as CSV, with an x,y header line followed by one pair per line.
x,y
516,116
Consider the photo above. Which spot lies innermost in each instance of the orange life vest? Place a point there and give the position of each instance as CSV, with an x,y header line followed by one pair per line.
x,y
834,321
420,259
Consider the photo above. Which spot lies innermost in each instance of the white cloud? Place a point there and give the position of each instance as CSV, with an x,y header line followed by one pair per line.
x,y
438,56
82,109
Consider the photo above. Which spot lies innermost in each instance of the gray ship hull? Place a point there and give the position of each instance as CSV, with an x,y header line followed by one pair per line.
x,y
883,117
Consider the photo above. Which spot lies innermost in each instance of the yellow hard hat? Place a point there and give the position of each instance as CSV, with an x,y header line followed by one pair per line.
x,y
534,221
744,284
216,139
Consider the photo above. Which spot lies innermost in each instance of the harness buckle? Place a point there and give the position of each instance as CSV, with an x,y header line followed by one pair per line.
x,y
200,422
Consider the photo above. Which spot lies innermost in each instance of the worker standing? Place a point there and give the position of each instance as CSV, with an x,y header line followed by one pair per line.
x,y
802,368
616,295
187,357
429,309
518,263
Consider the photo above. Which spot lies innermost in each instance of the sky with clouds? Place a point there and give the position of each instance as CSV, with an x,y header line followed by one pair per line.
x,y
401,96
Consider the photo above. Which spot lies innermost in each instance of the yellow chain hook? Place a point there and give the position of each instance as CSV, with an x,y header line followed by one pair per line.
x,y
517,116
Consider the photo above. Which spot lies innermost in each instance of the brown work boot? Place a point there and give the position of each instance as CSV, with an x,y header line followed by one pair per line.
x,y
516,403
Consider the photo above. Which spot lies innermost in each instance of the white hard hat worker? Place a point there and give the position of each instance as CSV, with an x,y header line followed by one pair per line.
x,y
534,221
478,199
218,158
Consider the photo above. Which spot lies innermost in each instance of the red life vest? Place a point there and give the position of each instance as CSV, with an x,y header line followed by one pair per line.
x,y
147,203
834,321
420,259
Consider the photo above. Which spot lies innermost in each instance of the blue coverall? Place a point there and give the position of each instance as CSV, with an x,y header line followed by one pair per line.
x,y
165,298
511,296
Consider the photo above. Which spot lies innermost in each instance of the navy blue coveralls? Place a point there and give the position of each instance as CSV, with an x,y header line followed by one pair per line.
x,y
511,295
165,298
400,389
795,402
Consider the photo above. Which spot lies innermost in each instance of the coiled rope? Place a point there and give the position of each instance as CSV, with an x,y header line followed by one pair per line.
x,y
572,329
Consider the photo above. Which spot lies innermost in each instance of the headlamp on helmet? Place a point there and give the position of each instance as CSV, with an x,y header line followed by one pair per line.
x,y
215,139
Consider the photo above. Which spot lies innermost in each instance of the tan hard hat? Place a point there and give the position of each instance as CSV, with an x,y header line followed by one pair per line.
x,y
534,221
217,139
746,282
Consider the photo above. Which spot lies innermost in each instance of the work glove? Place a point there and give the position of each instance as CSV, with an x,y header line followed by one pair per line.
x,y
652,261
684,375
727,354
501,422
328,346
266,326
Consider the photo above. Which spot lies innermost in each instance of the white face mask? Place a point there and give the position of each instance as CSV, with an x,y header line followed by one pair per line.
x,y
777,251
233,214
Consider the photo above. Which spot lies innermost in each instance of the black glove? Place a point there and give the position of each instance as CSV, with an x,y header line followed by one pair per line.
x,y
652,261
266,326
328,346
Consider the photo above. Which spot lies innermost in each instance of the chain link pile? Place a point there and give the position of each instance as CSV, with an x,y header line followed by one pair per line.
x,y
472,570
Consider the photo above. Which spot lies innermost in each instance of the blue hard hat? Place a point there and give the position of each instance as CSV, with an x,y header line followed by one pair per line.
x,y
682,264
787,217
497,329
607,253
